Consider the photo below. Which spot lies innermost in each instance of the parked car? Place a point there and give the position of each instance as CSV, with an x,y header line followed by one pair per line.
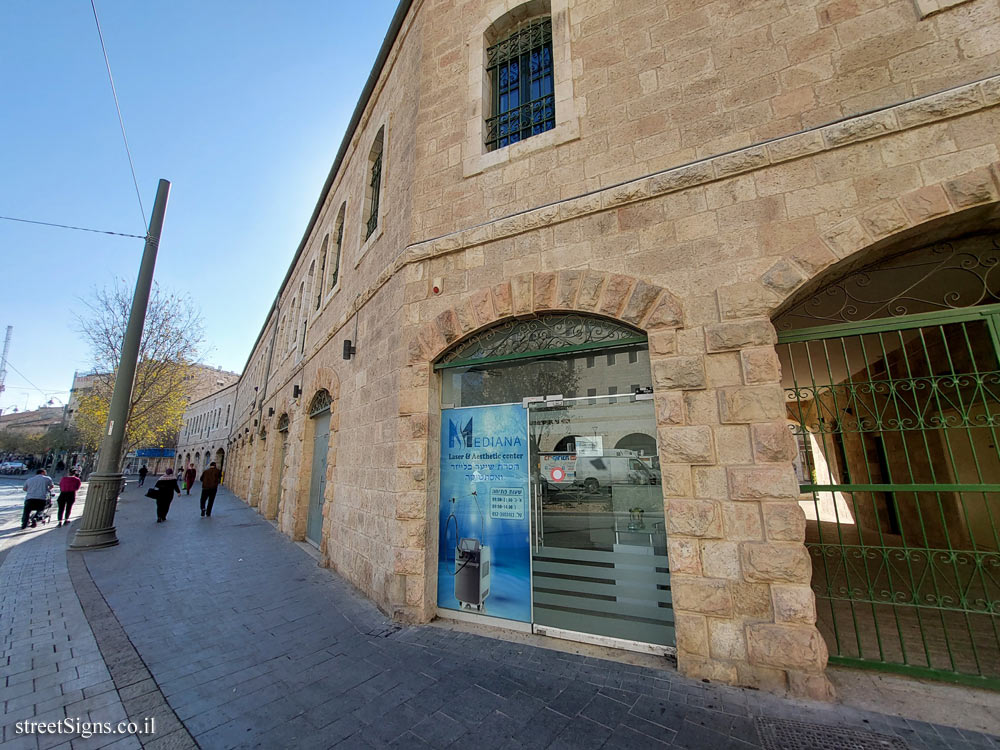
x,y
13,467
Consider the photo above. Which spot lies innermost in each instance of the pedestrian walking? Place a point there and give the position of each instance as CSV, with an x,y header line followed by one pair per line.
x,y
36,492
68,486
143,471
209,486
189,476
165,488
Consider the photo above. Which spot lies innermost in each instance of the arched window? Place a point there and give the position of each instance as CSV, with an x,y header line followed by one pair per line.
x,y
374,188
320,402
522,85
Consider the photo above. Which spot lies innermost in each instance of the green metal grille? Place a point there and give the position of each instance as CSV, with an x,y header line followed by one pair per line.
x,y
897,423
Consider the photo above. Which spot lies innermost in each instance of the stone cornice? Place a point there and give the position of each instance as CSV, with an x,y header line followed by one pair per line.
x,y
925,110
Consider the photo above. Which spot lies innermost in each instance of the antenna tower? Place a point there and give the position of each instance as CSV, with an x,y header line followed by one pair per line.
x,y
3,359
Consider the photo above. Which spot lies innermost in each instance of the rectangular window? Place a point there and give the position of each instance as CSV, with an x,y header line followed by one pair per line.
x,y
375,185
633,357
590,361
335,271
592,392
611,359
612,391
521,78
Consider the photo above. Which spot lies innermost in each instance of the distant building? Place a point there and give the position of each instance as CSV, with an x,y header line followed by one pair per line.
x,y
205,431
202,381
31,423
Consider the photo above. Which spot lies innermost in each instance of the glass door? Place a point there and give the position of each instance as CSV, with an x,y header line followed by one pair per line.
x,y
599,543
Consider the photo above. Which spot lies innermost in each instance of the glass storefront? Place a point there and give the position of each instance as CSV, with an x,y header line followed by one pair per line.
x,y
551,442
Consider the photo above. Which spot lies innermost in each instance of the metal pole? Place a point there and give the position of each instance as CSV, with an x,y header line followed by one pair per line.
x,y
97,526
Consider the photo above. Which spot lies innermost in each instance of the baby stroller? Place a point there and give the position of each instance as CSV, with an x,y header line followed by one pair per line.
x,y
43,515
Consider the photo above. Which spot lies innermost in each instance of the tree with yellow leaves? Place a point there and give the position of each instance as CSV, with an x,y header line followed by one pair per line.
x,y
171,339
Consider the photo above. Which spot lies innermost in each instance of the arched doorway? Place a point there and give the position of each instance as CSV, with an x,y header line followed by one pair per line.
x,y
542,519
279,468
220,456
892,382
319,413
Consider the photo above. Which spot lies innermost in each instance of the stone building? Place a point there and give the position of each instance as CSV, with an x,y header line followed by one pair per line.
x,y
205,432
780,217
33,423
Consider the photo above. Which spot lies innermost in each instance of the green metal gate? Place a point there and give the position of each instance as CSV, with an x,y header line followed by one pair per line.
x,y
897,424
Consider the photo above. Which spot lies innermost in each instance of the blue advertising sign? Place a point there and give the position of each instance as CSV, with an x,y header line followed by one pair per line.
x,y
484,559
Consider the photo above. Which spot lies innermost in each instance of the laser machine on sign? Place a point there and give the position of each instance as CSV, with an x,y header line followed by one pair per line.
x,y
472,562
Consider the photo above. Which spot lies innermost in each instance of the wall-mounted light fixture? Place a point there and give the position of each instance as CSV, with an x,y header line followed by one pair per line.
x,y
349,349
270,411
296,391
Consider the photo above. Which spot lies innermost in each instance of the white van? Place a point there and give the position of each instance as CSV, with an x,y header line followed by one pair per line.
x,y
560,471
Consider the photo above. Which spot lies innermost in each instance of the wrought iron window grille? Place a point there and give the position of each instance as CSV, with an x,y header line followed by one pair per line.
x,y
939,277
373,206
522,85
547,334
320,402
334,275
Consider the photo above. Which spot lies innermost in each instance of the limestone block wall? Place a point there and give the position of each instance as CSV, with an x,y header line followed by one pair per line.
x,y
660,84
669,210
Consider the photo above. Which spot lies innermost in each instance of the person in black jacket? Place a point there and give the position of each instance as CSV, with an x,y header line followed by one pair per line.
x,y
165,488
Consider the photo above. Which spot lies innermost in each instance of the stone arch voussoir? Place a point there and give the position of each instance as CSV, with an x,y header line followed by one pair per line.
x,y
915,213
625,298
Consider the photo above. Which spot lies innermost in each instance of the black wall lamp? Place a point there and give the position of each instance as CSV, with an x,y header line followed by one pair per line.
x,y
296,391
349,349
270,411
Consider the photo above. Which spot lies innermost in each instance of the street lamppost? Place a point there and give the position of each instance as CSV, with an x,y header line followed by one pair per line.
x,y
97,527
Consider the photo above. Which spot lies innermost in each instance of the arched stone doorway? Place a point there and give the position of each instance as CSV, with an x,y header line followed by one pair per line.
x,y
541,519
892,381
319,415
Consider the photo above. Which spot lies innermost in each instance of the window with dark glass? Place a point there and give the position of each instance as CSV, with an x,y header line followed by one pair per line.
x,y
522,85
338,244
374,184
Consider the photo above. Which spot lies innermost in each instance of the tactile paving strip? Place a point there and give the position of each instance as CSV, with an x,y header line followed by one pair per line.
x,y
784,734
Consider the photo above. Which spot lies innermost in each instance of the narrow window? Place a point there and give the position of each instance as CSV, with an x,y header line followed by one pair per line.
x,y
612,391
611,359
337,247
592,392
374,183
521,82
322,270
227,414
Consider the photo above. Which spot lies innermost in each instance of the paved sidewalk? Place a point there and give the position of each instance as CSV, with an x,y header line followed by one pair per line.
x,y
51,665
253,645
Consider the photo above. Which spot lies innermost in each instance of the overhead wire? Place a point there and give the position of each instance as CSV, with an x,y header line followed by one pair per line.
x,y
44,393
70,226
121,121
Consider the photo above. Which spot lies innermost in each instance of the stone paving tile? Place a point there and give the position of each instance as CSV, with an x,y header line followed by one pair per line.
x,y
264,649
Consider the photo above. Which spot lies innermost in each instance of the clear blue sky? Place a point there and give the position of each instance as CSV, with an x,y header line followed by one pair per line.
x,y
241,104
